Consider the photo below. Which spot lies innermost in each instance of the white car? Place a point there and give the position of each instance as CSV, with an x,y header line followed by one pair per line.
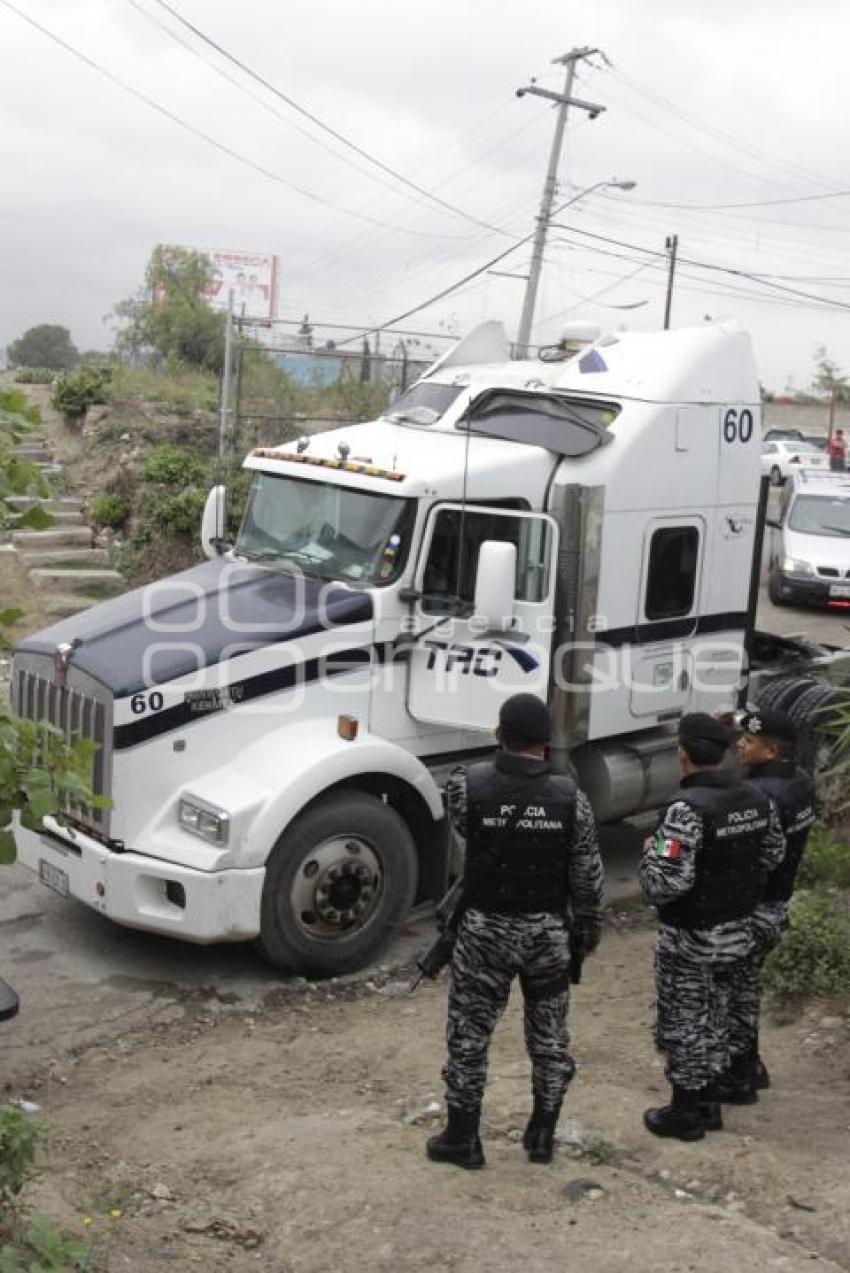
x,y
809,550
781,458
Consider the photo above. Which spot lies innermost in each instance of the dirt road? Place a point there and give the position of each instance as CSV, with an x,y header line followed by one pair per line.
x,y
286,1134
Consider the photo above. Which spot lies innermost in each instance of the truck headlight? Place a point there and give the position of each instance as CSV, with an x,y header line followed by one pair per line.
x,y
793,566
204,820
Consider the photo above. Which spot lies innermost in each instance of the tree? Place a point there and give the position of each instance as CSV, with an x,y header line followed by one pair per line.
x,y
170,317
47,345
829,381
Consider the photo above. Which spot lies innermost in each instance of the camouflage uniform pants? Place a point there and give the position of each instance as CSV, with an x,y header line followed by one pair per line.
x,y
693,990
744,990
492,950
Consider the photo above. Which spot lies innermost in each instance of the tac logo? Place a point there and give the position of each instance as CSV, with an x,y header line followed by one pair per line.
x,y
474,660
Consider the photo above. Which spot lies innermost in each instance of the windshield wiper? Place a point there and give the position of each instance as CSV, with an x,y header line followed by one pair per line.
x,y
838,530
265,554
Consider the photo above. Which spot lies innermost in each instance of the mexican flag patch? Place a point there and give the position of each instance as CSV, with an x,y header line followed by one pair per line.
x,y
666,848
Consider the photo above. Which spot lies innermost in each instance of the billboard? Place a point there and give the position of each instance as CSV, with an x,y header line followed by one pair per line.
x,y
252,277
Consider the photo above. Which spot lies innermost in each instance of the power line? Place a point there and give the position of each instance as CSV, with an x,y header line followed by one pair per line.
x,y
320,123
197,132
261,101
757,203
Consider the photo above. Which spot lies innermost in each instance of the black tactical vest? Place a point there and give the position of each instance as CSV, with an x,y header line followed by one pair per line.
x,y
520,829
729,876
794,793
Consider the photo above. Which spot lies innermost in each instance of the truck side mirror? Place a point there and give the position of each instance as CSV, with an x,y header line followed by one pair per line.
x,y
212,522
494,585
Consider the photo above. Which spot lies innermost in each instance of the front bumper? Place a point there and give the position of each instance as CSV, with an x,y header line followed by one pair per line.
x,y
809,589
145,892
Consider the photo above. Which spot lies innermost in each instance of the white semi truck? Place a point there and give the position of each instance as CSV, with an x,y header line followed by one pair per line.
x,y
274,725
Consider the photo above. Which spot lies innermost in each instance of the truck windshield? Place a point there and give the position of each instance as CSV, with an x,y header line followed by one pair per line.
x,y
423,403
335,532
820,515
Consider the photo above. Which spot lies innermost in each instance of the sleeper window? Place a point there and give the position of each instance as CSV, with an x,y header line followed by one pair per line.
x,y
671,579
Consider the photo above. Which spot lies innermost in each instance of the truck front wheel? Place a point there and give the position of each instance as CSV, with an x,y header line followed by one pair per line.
x,y
338,883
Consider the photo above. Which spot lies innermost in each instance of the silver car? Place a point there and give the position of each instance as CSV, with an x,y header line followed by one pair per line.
x,y
809,548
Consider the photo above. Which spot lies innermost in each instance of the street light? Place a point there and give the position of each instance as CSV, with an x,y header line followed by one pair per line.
x,y
530,299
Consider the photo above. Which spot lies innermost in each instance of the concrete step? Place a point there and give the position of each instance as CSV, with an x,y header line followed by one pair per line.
x,y
56,504
91,583
61,536
33,455
69,558
60,605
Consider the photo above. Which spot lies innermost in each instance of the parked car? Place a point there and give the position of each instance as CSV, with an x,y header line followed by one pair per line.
x,y
809,553
782,457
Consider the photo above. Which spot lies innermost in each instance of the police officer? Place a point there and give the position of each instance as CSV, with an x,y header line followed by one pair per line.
x,y
704,869
532,856
766,748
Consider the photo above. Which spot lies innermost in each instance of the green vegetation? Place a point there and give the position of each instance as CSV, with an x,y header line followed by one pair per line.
x,y
47,345
173,466
169,317
29,1241
826,862
813,957
17,476
76,391
178,389
110,510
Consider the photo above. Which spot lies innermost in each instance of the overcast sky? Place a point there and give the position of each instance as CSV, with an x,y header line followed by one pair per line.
x,y
708,102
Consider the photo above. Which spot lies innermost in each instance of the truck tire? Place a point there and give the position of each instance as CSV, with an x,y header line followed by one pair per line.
x,y
810,705
339,882
782,691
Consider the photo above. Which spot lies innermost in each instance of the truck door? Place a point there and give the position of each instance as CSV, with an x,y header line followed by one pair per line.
x,y
661,663
460,674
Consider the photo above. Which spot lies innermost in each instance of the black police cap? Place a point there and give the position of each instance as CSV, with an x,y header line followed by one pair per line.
x,y
769,723
699,727
526,716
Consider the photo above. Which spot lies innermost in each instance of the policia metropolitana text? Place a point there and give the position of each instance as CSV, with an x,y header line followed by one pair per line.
x,y
532,879
705,869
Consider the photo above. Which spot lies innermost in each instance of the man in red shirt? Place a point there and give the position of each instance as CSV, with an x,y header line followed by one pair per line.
x,y
836,449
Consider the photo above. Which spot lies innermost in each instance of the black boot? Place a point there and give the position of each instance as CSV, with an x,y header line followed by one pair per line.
x,y
458,1143
539,1137
737,1085
710,1111
680,1119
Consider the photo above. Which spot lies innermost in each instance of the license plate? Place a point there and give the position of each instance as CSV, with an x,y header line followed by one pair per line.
x,y
53,877
839,590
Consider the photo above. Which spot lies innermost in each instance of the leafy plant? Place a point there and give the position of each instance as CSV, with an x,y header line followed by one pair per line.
x,y
181,512
173,466
110,510
76,391
43,1248
20,1138
19,476
40,772
814,956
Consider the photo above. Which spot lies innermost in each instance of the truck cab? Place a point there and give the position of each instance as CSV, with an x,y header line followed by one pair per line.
x,y
275,725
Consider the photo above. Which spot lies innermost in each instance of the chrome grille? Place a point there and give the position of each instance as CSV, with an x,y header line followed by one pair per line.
x,y
78,715
832,572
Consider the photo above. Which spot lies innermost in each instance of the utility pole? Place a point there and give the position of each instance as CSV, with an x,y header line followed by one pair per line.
x,y
226,379
671,243
564,100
